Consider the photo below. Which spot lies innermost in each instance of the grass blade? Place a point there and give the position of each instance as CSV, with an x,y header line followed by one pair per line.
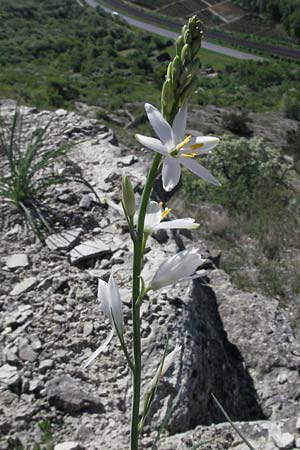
x,y
232,424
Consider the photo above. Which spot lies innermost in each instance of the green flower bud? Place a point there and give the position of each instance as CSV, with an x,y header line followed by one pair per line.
x,y
177,68
193,67
179,44
186,55
169,72
195,47
188,38
188,91
128,198
167,96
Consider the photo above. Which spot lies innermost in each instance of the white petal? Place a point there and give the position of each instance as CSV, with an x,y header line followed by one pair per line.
x,y
198,170
170,173
179,224
99,350
179,124
153,217
161,127
152,143
104,297
207,144
115,305
177,267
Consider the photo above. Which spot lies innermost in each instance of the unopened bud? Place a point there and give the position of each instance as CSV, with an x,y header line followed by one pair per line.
x,y
186,55
177,68
188,38
179,45
188,92
195,46
169,72
167,96
128,198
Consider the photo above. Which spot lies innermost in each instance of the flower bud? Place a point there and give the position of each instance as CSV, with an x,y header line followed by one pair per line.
x,y
188,91
188,38
179,45
186,54
169,71
128,197
167,96
177,68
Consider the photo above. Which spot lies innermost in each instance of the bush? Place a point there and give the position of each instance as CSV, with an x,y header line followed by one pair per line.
x,y
249,171
237,123
291,105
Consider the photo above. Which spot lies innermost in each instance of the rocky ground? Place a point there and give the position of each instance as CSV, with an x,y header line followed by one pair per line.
x,y
236,345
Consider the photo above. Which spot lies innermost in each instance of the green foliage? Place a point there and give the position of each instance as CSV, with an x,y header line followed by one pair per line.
x,y
237,123
249,172
55,52
284,11
291,104
26,172
250,85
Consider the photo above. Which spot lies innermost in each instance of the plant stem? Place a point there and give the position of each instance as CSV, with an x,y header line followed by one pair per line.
x,y
137,266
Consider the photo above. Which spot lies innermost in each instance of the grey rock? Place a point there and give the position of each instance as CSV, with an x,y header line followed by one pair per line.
x,y
10,377
64,241
17,260
87,328
86,202
24,286
70,395
297,443
89,249
26,353
283,441
45,365
69,445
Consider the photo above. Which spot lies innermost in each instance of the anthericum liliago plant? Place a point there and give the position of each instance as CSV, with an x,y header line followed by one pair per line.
x,y
173,148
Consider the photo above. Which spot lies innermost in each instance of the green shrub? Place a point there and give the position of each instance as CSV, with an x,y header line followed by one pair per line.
x,y
291,105
237,123
247,169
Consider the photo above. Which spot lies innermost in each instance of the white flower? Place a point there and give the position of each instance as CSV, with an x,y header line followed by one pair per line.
x,y
109,297
156,213
177,148
179,267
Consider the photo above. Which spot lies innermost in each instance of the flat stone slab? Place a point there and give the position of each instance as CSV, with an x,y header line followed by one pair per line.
x,y
69,445
63,241
17,260
24,286
89,249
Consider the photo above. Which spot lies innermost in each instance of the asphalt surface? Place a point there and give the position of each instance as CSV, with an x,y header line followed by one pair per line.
x,y
173,35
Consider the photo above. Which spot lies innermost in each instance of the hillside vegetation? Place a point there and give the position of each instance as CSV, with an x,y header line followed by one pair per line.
x,y
55,52
281,11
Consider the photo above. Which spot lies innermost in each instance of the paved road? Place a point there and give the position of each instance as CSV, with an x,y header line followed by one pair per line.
x,y
173,35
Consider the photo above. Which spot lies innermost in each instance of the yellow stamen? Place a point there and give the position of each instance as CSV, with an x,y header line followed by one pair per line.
x,y
184,142
189,155
165,212
196,146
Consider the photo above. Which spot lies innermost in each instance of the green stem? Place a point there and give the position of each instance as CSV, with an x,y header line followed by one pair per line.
x,y
137,266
